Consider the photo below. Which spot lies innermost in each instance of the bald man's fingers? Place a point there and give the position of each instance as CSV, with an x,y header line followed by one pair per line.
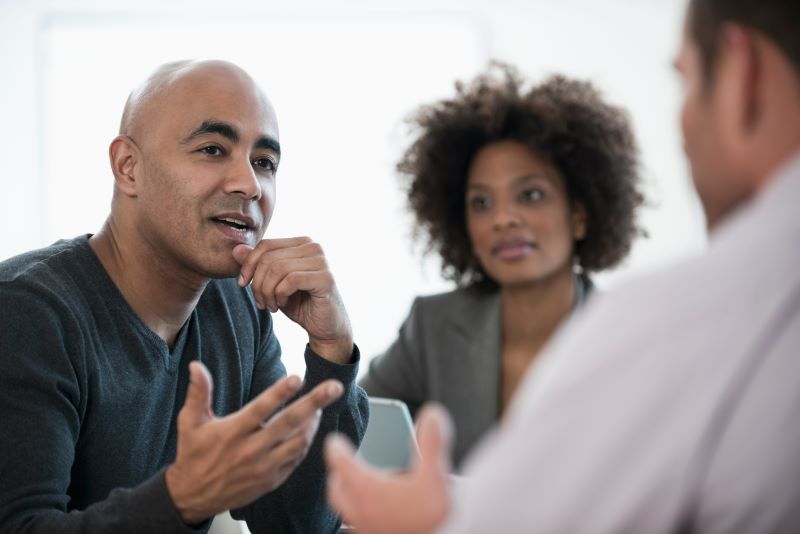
x,y
296,414
261,408
270,249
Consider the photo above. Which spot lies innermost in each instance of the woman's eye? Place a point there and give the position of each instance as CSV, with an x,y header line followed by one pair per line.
x,y
211,150
532,195
266,163
479,203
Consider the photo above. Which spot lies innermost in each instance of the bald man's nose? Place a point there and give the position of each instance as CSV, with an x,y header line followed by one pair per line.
x,y
243,180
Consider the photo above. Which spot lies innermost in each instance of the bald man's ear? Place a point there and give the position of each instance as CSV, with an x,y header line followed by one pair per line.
x,y
126,161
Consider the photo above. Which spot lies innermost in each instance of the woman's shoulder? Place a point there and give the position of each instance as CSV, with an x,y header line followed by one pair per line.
x,y
461,300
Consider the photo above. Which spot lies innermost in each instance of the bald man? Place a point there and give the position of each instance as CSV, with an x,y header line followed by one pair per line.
x,y
141,386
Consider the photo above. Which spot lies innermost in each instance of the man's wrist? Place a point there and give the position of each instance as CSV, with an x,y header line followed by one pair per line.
x,y
337,351
184,509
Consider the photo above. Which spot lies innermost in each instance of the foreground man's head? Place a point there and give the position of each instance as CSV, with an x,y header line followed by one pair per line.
x,y
740,62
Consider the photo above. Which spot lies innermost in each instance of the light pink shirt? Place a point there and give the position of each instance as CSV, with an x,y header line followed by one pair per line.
x,y
670,405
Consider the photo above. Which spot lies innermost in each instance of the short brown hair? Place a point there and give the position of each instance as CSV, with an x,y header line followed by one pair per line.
x,y
778,20
562,120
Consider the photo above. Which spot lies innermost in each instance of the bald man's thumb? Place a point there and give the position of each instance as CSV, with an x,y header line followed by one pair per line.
x,y
240,253
197,408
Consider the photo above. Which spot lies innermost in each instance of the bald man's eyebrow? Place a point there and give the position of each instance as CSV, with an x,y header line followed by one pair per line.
x,y
269,143
229,132
213,127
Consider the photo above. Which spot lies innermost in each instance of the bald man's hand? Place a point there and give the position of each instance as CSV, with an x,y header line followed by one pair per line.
x,y
227,462
292,275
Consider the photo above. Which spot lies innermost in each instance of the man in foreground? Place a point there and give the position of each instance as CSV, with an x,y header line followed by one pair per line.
x,y
671,405
103,337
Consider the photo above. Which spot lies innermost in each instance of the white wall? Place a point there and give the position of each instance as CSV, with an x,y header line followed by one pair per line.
x,y
342,76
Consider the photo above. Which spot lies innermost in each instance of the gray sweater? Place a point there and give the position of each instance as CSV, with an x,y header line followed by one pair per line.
x,y
89,397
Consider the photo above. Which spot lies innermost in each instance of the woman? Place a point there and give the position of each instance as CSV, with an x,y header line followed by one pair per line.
x,y
522,194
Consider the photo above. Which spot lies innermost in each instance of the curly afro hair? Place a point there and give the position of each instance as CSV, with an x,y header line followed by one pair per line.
x,y
562,120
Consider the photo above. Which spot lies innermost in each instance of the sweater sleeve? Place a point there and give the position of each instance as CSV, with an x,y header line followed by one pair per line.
x,y
42,409
400,373
299,504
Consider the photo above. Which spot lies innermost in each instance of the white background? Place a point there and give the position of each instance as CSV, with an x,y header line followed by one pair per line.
x,y
342,76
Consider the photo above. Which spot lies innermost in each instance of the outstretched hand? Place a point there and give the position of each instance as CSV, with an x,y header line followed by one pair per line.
x,y
375,502
227,462
292,275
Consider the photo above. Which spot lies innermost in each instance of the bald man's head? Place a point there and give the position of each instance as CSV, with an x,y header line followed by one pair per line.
x,y
139,97
170,83
195,163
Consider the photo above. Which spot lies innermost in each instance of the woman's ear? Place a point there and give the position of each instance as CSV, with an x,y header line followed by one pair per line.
x,y
578,216
125,158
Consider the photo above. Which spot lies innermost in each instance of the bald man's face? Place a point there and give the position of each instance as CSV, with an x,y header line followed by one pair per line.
x,y
210,152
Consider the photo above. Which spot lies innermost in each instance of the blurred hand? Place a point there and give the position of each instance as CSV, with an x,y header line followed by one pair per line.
x,y
375,502
292,275
227,462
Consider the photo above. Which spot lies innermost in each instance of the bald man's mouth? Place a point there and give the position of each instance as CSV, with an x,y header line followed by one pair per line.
x,y
238,227
236,222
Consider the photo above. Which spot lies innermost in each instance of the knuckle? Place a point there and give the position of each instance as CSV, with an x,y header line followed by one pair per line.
x,y
183,417
249,455
264,263
257,413
226,440
316,249
276,268
293,277
320,264
267,404
291,418
183,426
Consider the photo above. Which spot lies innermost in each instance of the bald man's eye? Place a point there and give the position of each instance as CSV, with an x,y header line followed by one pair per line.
x,y
267,164
212,150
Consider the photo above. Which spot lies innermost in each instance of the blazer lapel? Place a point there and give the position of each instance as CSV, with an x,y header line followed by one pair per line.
x,y
478,324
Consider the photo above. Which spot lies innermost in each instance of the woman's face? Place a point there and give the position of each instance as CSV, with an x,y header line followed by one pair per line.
x,y
519,219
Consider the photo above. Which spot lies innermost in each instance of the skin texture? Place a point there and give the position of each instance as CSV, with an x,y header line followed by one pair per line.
x,y
739,126
198,146
522,228
519,218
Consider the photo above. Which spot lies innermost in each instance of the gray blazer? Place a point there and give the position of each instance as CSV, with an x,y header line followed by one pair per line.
x,y
448,351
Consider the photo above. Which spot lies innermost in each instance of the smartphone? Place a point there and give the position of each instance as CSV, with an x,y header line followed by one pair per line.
x,y
389,442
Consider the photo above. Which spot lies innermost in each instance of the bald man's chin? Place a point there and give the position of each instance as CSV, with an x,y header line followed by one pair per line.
x,y
222,270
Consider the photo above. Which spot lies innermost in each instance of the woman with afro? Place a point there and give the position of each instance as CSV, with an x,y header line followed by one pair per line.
x,y
523,194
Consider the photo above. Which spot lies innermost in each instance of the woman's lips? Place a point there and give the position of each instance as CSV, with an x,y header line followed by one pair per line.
x,y
513,250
